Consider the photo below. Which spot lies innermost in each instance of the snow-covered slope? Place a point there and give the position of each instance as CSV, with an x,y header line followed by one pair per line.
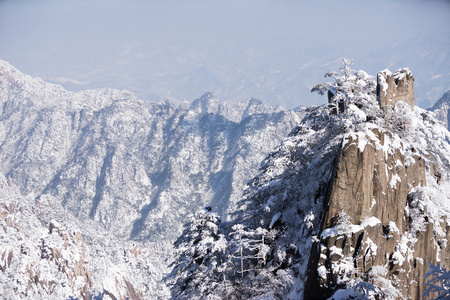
x,y
47,254
120,169
135,167
442,108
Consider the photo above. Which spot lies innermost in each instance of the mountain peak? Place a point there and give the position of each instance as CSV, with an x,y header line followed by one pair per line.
x,y
207,103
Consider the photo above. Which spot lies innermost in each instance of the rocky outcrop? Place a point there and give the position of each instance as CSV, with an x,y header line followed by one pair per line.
x,y
368,229
376,229
392,88
49,261
369,182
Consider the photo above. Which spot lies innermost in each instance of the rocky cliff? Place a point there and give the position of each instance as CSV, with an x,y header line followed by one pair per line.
x,y
351,205
394,87
372,194
375,226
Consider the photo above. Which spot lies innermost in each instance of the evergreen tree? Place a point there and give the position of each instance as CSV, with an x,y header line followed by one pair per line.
x,y
349,87
199,269
251,251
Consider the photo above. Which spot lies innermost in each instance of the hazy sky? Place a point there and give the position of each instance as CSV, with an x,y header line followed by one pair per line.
x,y
163,49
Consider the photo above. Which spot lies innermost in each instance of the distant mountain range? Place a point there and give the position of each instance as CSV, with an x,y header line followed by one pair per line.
x,y
283,73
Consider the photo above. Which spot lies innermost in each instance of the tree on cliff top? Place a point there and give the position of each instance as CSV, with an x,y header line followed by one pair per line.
x,y
349,87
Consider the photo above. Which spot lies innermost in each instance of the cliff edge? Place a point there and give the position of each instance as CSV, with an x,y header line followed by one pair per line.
x,y
377,228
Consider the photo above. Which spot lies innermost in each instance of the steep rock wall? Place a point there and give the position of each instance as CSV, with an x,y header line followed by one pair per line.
x,y
394,87
367,232
373,182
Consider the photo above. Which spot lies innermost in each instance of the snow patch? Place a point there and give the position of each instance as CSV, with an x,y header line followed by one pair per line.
x,y
274,219
349,229
395,178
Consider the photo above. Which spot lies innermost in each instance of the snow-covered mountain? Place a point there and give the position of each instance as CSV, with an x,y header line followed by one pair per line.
x,y
442,108
114,165
353,204
48,254
133,166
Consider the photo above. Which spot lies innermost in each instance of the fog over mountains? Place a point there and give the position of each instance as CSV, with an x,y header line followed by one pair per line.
x,y
276,71
275,51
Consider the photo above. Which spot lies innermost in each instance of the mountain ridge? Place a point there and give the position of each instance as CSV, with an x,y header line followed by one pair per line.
x,y
131,169
441,108
96,129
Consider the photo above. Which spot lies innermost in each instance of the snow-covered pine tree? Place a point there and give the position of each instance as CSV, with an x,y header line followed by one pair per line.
x,y
200,267
349,87
250,249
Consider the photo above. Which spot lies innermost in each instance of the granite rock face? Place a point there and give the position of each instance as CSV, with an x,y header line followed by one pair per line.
x,y
369,194
371,182
374,227
394,87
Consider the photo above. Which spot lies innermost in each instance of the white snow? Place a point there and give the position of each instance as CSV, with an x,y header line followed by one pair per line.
x,y
371,221
322,271
274,219
382,80
393,227
351,228
170,160
374,201
372,247
394,180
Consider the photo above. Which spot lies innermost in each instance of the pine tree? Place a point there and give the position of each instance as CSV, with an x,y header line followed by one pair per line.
x,y
349,87
256,259
199,269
